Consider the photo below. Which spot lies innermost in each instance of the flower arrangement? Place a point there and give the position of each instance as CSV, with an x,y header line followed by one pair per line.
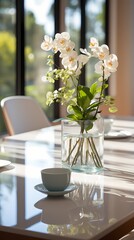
x,y
82,102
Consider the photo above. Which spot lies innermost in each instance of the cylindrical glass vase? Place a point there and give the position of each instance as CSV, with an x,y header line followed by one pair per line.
x,y
83,151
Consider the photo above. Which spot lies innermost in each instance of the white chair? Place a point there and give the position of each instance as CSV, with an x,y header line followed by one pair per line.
x,y
23,114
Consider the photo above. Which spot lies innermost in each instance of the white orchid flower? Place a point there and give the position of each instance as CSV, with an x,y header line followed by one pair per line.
x,y
71,69
102,70
82,60
70,61
99,67
84,51
55,47
62,39
93,43
47,44
101,52
111,62
107,73
68,49
65,35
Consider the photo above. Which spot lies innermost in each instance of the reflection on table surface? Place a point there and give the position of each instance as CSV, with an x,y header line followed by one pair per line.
x,y
101,203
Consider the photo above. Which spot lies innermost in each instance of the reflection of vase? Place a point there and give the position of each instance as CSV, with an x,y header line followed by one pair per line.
x,y
83,151
89,199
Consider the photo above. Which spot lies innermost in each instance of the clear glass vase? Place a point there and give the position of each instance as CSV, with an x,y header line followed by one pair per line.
x,y
83,151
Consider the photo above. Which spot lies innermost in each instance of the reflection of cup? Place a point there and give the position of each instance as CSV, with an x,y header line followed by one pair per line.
x,y
55,179
108,122
56,211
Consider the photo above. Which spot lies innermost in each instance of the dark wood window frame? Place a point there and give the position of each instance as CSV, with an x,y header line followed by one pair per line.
x,y
20,45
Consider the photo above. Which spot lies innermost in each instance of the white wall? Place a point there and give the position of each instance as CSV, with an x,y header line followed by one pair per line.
x,y
122,44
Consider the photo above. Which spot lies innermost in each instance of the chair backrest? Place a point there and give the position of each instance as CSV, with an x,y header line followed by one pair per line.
x,y
23,114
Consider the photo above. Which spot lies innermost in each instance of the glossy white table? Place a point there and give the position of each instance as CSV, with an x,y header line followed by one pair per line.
x,y
102,206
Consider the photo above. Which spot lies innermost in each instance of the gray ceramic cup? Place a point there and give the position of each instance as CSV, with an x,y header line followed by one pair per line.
x,y
56,179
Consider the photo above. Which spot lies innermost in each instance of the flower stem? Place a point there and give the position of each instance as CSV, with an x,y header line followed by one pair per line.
x,y
102,87
98,160
71,150
80,146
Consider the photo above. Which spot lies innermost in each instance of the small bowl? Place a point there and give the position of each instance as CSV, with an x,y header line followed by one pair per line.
x,y
108,122
56,179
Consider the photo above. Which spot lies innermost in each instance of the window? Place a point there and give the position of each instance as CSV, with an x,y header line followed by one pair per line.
x,y
23,62
95,26
39,20
7,51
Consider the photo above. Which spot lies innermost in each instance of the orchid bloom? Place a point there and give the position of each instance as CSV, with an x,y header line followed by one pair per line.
x,y
99,68
47,44
62,39
70,61
93,43
111,62
84,51
110,65
72,69
67,49
101,52
82,60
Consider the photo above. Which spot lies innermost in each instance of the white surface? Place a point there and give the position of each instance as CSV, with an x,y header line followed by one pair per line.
x,y
4,163
117,134
53,133
101,203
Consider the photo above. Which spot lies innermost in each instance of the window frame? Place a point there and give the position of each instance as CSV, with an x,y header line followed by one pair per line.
x,y
20,42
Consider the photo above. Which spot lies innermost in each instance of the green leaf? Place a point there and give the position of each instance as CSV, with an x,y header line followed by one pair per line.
x,y
105,86
91,117
77,111
93,105
72,117
89,126
84,97
93,88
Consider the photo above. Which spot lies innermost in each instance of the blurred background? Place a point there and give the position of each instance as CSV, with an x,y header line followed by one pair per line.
x,y
23,24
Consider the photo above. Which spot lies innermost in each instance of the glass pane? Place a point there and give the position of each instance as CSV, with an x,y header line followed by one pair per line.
x,y
95,22
73,21
39,20
7,51
95,26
